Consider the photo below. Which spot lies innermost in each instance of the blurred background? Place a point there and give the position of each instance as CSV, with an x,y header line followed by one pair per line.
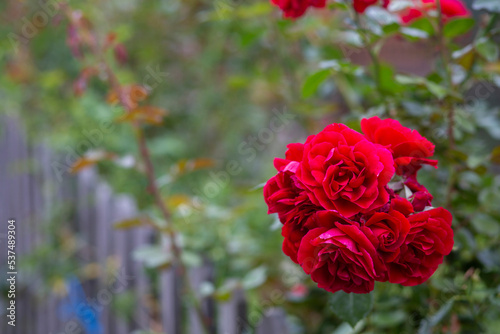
x,y
231,75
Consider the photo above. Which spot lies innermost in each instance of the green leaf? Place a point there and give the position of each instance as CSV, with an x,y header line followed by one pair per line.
x,y
128,223
254,278
439,91
457,27
388,319
427,324
351,307
488,49
390,28
489,5
387,83
423,24
414,34
152,256
485,224
313,82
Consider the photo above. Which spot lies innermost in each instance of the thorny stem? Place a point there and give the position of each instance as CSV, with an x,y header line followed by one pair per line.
x,y
153,187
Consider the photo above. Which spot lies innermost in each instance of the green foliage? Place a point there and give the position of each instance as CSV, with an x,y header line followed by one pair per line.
x,y
458,27
351,307
313,82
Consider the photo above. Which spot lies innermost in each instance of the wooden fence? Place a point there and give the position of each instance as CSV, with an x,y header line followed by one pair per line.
x,y
32,194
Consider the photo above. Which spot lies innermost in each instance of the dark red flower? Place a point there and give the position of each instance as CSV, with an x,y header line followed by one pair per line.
x,y
361,5
345,172
429,240
342,257
401,205
408,147
449,8
391,230
297,8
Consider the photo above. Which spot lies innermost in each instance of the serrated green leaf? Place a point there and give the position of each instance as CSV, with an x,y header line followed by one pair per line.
x,y
351,307
313,82
457,27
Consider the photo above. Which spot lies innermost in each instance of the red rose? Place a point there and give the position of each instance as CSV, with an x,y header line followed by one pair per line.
x,y
343,171
429,240
391,230
293,207
281,191
449,8
285,196
293,233
297,8
408,147
361,5
341,257
294,153
401,205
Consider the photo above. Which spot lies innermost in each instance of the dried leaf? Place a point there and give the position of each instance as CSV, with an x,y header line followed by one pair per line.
x,y
186,166
175,201
90,159
129,223
145,114
131,95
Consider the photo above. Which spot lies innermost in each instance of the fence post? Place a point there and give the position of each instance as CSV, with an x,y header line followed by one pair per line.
x,y
197,277
170,299
233,314
273,321
123,208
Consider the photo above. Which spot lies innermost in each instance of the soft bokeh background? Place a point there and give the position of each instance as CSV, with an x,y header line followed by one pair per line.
x,y
224,69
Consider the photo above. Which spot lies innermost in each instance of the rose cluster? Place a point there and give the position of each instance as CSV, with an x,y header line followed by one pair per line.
x,y
449,8
353,211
